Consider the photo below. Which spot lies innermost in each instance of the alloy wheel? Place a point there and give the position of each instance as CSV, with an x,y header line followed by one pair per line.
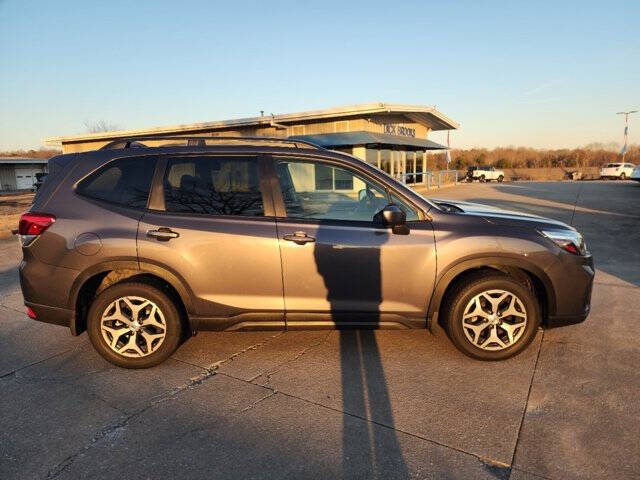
x,y
133,326
494,320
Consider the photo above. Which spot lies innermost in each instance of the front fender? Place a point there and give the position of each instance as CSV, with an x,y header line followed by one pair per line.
x,y
497,262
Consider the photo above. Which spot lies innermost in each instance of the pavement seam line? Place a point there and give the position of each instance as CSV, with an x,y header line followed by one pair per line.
x,y
249,407
279,367
34,363
193,382
13,309
615,285
543,477
526,403
484,460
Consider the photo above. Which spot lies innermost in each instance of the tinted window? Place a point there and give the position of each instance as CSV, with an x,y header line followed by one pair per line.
x,y
213,186
123,182
322,191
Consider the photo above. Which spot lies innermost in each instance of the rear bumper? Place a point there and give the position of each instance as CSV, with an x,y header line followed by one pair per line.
x,y
45,289
53,315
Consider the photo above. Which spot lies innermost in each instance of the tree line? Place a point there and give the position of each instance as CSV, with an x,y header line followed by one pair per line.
x,y
42,153
522,157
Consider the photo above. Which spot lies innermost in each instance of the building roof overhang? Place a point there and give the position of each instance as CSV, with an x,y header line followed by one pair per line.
x,y
371,139
21,160
425,115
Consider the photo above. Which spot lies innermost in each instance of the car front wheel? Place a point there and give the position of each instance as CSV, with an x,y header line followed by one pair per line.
x,y
492,316
500,178
623,176
134,325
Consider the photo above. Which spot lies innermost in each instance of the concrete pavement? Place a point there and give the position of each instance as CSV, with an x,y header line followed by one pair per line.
x,y
386,404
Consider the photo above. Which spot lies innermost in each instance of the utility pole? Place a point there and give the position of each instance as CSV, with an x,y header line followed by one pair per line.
x,y
626,130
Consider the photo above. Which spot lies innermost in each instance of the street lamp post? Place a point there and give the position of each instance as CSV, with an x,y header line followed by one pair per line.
x,y
626,130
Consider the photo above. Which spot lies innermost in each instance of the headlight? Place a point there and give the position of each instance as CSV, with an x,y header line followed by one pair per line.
x,y
568,240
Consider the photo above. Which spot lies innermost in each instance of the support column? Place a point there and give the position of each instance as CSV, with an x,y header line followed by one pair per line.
x,y
379,159
403,179
392,162
424,166
361,153
415,167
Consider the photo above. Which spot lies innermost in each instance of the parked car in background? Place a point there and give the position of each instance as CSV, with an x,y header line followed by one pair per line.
x,y
635,174
149,244
620,171
484,174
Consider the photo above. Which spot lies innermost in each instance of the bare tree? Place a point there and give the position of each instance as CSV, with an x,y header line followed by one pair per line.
x,y
100,126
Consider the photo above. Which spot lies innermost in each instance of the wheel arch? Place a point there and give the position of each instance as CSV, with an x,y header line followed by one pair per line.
x,y
530,274
96,279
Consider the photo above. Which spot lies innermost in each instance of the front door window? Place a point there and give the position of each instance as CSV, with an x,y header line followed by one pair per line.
x,y
323,191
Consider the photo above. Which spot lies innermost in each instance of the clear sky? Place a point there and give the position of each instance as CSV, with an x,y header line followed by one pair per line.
x,y
541,74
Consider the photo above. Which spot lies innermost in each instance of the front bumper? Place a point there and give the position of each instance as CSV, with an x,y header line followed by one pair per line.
x,y
565,320
574,285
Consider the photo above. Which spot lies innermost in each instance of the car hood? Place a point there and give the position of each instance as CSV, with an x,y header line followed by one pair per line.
x,y
499,216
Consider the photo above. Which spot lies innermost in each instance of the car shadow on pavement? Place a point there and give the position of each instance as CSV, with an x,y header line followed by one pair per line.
x,y
365,393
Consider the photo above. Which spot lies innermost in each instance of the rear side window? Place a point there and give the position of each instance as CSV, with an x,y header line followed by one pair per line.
x,y
123,182
214,185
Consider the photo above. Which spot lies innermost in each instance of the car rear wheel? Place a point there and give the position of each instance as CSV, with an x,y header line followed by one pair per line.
x,y
500,178
481,178
623,176
491,316
134,325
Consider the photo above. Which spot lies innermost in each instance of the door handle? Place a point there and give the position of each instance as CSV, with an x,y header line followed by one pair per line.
x,y
163,234
299,237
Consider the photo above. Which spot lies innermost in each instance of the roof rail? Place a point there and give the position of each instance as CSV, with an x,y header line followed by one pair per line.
x,y
135,142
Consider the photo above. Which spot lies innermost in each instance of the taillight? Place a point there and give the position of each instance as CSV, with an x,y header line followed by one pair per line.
x,y
33,224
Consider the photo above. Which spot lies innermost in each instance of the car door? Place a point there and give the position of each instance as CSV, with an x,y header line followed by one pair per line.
x,y
339,266
211,224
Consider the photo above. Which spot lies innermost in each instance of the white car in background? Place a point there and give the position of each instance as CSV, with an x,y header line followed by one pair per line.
x,y
484,174
635,175
620,171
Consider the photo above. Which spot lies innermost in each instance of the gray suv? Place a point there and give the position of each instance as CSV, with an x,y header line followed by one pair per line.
x,y
143,246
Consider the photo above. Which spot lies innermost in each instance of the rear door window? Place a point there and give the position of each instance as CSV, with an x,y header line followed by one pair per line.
x,y
214,185
125,182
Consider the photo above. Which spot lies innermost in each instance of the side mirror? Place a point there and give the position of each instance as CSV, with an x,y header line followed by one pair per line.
x,y
392,216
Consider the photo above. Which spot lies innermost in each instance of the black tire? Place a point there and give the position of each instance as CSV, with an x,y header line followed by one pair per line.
x,y
482,180
172,320
464,292
500,178
623,176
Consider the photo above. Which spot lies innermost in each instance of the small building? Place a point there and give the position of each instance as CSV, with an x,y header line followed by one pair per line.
x,y
20,173
391,136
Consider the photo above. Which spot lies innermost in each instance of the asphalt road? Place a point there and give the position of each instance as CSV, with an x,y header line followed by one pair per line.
x,y
387,404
